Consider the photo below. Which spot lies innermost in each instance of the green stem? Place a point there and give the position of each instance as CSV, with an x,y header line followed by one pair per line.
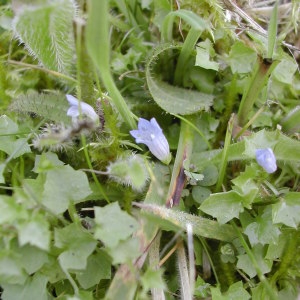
x,y
183,273
157,293
51,72
79,94
249,123
196,129
256,84
184,151
87,158
224,159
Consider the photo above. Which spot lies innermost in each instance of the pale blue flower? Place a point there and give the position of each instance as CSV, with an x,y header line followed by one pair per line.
x,y
266,159
78,108
150,134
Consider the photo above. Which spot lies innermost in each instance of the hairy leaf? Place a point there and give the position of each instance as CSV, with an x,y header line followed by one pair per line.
x,y
46,31
52,106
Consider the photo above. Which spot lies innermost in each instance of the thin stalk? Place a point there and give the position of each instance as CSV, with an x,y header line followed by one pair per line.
x,y
196,129
186,293
224,159
257,82
272,31
98,46
184,151
79,94
157,293
249,123
51,72
88,160
191,256
205,248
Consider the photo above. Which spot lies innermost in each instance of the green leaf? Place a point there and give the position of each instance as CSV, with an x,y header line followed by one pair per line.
x,y
223,206
10,210
32,258
126,251
285,70
187,101
159,185
291,123
284,148
246,186
153,279
172,220
165,95
236,291
11,272
113,224
46,161
77,245
244,262
189,17
52,106
98,268
9,144
62,186
204,52
287,210
210,174
2,168
241,58
46,31
98,46
35,232
272,30
33,289
263,231
200,193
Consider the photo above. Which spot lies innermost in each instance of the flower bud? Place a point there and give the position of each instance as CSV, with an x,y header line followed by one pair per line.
x,y
266,159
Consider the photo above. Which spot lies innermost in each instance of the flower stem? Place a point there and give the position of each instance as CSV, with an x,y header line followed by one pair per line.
x,y
256,84
184,151
224,158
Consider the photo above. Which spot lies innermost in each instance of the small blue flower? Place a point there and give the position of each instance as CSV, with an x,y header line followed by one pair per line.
x,y
150,134
266,159
78,108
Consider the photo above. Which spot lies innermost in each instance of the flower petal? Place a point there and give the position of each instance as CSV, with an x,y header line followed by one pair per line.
x,y
73,112
150,134
155,125
80,107
72,100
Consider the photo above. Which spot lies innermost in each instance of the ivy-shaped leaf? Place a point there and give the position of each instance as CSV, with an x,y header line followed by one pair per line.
x,y
223,206
287,210
8,142
263,231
